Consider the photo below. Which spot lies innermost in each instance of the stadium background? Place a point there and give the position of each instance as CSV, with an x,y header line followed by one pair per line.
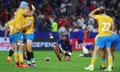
x,y
70,16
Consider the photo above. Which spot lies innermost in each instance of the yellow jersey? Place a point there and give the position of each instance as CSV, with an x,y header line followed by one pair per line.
x,y
104,24
19,18
29,29
11,24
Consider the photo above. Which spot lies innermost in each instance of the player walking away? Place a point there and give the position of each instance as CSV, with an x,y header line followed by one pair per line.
x,y
28,28
63,48
9,28
103,40
19,20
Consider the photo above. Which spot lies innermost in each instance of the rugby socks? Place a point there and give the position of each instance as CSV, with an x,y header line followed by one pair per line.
x,y
110,60
94,57
32,57
16,56
25,55
10,52
103,62
20,54
28,58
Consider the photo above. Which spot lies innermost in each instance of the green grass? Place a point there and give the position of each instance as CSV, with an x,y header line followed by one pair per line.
x,y
76,65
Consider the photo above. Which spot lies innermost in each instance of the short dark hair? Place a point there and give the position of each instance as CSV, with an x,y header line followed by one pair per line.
x,y
30,7
102,11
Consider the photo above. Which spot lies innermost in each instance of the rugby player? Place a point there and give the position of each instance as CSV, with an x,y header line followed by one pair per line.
x,y
63,48
103,40
9,28
115,41
19,20
28,29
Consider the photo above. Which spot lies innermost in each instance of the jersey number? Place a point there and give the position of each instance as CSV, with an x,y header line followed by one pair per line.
x,y
105,26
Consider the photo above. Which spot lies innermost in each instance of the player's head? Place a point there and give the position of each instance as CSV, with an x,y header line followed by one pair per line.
x,y
101,11
23,4
30,8
64,37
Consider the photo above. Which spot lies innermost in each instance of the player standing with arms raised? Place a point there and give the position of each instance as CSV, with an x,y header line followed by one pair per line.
x,y
103,40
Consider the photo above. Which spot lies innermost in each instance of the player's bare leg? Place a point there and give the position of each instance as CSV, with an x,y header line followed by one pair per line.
x,y
67,58
30,55
57,52
20,54
16,56
109,55
93,60
103,55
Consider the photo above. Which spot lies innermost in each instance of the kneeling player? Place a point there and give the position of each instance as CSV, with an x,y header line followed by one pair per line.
x,y
63,48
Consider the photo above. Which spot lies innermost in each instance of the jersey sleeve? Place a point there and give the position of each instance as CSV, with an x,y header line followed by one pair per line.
x,y
10,22
96,16
58,42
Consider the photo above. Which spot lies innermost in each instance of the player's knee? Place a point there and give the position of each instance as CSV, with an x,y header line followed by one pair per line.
x,y
29,49
54,47
67,58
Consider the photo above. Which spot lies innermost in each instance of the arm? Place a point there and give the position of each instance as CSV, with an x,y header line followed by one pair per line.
x,y
113,28
6,32
93,12
61,48
26,25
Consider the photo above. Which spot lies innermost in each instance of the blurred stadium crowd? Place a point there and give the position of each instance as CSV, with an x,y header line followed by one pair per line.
x,y
62,16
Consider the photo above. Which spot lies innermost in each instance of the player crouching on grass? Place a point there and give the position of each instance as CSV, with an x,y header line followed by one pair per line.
x,y
63,48
28,29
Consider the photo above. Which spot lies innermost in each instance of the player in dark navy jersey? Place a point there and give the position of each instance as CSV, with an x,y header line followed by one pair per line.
x,y
62,48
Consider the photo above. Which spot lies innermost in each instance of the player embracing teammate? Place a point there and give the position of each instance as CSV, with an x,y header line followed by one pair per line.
x,y
105,38
22,27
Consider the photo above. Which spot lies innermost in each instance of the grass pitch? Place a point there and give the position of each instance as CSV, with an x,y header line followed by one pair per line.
x,y
76,65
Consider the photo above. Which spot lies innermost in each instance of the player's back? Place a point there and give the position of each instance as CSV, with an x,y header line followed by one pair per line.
x,y
104,24
65,45
19,18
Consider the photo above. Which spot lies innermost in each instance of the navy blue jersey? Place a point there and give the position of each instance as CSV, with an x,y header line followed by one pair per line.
x,y
65,45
